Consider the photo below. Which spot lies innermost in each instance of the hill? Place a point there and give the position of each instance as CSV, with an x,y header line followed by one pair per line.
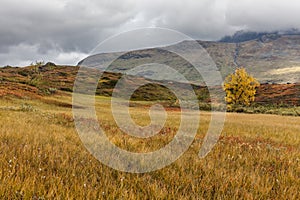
x,y
270,57
48,79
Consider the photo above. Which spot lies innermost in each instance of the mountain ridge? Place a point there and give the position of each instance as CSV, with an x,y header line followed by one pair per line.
x,y
271,58
243,35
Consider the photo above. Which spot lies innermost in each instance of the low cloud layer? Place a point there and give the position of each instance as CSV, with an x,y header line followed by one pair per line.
x,y
65,31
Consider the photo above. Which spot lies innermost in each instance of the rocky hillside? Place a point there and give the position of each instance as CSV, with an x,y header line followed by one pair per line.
x,y
270,57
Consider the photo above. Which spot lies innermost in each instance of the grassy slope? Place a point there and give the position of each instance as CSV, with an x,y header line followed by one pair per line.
x,y
41,156
37,81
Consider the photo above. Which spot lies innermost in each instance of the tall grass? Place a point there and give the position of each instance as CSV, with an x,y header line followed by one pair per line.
x,y
42,157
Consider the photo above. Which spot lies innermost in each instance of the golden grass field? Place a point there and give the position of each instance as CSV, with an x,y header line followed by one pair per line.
x,y
42,156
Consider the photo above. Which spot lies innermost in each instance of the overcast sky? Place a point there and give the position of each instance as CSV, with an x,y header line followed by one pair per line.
x,y
65,31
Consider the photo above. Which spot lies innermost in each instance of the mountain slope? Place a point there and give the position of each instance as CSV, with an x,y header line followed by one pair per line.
x,y
38,81
271,58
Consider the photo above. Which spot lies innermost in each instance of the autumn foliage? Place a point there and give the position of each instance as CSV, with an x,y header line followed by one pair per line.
x,y
240,88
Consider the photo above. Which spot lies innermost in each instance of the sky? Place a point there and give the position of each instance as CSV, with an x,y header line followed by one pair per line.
x,y
65,31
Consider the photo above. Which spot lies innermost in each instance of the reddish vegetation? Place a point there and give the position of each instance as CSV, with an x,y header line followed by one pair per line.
x,y
18,90
37,81
279,94
253,143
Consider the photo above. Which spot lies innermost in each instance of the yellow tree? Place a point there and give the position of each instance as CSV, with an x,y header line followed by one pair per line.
x,y
240,88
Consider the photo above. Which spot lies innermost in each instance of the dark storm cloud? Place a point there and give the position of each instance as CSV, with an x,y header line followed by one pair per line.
x,y
64,23
54,27
64,31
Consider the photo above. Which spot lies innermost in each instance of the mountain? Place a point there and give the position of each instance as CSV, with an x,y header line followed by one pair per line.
x,y
243,36
270,57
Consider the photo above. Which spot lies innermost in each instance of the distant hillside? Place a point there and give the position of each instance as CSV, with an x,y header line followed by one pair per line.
x,y
49,79
271,58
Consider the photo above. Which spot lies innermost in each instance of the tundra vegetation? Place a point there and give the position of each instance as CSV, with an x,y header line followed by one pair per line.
x,y
42,157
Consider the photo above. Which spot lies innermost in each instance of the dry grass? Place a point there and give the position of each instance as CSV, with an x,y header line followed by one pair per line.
x,y
42,157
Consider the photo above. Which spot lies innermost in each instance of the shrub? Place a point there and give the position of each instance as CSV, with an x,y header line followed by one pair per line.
x,y
25,107
240,88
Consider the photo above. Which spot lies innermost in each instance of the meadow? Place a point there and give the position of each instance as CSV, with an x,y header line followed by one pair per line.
x,y
42,156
